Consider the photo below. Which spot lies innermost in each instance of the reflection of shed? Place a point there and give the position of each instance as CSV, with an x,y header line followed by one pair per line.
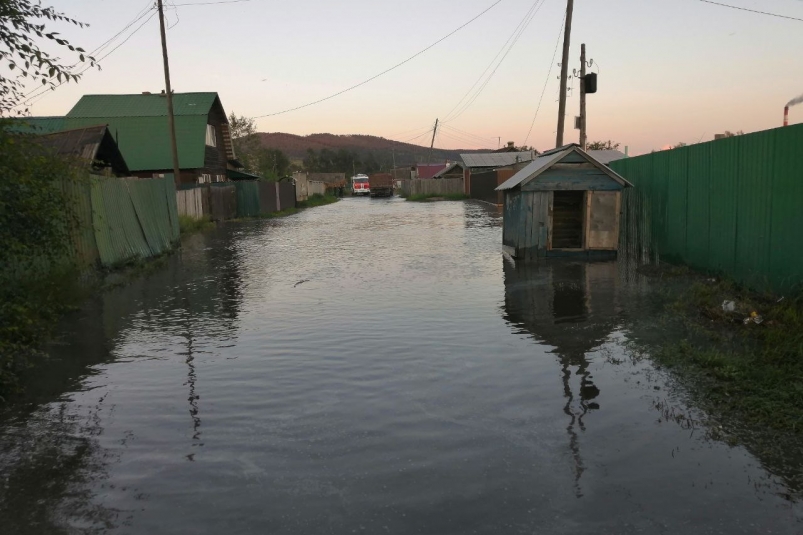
x,y
564,203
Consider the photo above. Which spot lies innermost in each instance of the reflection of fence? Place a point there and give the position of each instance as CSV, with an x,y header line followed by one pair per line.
x,y
432,186
245,198
731,206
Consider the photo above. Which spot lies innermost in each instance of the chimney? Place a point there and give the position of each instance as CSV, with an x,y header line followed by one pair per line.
x,y
786,116
510,144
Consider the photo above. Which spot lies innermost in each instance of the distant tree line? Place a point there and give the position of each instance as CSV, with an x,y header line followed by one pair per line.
x,y
340,161
271,164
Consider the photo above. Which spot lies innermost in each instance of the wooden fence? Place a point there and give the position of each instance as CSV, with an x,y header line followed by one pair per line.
x,y
245,198
432,186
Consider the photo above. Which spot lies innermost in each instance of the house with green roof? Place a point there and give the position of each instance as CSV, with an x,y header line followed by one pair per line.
x,y
139,125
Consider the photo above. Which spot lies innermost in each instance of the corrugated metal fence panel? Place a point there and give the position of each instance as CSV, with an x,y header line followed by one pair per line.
x,y
85,250
247,198
287,195
735,209
786,253
753,208
698,213
723,204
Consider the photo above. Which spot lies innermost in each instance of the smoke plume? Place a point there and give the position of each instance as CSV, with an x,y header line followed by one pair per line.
x,y
795,101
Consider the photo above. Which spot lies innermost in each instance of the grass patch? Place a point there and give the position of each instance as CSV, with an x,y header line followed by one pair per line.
x,y
432,197
746,356
190,225
317,200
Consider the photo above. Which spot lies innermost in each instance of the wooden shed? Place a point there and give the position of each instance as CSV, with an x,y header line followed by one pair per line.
x,y
564,203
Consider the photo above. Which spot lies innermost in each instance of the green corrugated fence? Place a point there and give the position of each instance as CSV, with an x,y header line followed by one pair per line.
x,y
247,199
733,206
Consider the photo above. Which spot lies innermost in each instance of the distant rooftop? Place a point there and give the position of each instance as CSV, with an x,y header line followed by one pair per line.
x,y
496,159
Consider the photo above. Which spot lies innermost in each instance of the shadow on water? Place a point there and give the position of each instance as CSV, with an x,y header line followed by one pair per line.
x,y
49,456
573,307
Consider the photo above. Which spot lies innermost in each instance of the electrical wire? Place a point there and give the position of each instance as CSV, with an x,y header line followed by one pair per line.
x,y
528,18
753,10
546,82
210,3
480,77
44,90
497,2
468,135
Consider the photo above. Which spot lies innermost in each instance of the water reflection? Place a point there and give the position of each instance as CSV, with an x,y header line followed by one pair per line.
x,y
573,307
50,455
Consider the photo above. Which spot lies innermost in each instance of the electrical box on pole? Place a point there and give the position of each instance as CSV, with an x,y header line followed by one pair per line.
x,y
590,81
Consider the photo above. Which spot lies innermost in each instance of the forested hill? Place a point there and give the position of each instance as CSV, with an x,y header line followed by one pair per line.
x,y
381,149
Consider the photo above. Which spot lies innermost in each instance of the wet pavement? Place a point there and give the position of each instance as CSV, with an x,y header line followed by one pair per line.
x,y
372,366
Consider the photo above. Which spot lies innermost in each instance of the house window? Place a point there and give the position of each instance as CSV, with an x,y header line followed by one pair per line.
x,y
205,179
211,136
220,178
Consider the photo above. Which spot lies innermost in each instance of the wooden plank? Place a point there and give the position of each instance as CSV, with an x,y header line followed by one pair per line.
x,y
573,182
550,201
603,216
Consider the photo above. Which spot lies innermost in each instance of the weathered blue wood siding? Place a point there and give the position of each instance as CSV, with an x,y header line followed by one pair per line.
x,y
581,179
526,222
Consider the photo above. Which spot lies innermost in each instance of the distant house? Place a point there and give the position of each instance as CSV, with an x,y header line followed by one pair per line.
x,y
485,162
93,144
138,123
453,170
564,203
428,170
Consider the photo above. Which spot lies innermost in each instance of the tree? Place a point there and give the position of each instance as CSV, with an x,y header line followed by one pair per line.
x,y
245,139
22,28
680,144
603,145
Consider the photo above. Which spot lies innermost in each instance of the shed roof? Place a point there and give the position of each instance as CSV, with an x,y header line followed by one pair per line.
x,y
448,169
429,170
496,159
548,159
93,143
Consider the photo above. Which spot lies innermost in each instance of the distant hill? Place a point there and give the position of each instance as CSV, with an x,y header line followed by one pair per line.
x,y
382,149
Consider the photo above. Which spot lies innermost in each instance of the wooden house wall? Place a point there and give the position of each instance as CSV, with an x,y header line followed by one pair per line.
x,y
215,160
526,222
571,176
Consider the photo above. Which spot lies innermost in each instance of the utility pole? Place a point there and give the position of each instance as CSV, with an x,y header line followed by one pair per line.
x,y
432,145
583,96
564,73
171,124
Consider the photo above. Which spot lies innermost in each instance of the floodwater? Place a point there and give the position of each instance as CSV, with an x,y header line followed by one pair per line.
x,y
372,366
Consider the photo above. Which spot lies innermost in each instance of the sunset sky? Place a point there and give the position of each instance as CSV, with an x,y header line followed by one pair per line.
x,y
668,71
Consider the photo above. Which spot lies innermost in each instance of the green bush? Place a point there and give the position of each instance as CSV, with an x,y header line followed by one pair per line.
x,y
37,223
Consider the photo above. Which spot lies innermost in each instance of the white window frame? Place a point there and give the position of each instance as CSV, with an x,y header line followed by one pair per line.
x,y
211,136
205,179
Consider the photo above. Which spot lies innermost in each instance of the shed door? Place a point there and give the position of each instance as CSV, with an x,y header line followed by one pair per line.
x,y
602,220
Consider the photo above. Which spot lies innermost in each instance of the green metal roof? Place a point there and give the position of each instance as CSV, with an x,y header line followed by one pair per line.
x,y
152,105
241,175
139,124
36,125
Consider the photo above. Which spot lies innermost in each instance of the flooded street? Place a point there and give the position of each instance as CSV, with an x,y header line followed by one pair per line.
x,y
372,366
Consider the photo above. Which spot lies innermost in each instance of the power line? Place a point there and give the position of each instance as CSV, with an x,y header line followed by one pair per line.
x,y
753,11
383,72
528,18
469,135
546,82
40,92
501,49
209,3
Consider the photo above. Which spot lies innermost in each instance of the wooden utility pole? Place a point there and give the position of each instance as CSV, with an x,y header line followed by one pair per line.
x,y
171,124
564,73
432,145
583,96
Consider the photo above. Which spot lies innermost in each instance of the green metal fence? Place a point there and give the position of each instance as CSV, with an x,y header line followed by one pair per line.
x,y
733,206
